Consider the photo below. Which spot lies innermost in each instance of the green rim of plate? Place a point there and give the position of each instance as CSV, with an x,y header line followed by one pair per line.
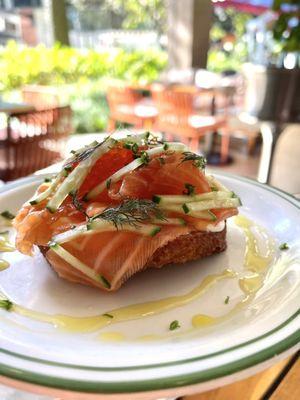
x,y
167,382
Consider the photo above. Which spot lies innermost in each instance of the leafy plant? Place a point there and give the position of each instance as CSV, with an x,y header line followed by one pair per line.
x,y
228,48
286,29
125,14
21,65
80,77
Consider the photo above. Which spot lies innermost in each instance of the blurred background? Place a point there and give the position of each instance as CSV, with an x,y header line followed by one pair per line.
x,y
220,75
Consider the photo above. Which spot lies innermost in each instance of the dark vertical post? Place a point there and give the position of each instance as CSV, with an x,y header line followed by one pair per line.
x,y
60,22
189,23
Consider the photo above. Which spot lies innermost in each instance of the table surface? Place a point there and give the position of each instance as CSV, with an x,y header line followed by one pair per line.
x,y
14,108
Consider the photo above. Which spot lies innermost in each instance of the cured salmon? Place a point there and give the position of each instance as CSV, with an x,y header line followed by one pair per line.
x,y
117,206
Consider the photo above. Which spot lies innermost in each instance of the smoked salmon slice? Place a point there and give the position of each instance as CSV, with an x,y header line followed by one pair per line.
x,y
118,203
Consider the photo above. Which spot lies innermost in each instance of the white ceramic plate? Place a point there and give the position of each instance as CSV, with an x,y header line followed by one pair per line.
x,y
180,361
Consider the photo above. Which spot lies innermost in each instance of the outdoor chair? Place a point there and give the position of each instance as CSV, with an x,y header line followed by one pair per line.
x,y
41,97
286,160
33,140
178,117
126,105
239,124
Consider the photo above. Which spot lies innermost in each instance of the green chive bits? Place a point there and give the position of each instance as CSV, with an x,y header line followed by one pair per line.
x,y
174,325
185,208
284,246
105,282
6,304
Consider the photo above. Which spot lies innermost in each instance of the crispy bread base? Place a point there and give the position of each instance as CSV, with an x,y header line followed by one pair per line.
x,y
192,246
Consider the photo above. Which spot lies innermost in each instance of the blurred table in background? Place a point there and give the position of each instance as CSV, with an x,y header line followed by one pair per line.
x,y
15,108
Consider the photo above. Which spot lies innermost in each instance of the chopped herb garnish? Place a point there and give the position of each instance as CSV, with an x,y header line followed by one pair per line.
x,y
33,202
132,212
198,161
145,157
185,208
135,148
166,146
6,304
155,231
226,301
174,325
284,246
156,199
73,151
108,315
147,135
108,183
7,215
127,146
214,189
47,180
105,282
66,171
189,189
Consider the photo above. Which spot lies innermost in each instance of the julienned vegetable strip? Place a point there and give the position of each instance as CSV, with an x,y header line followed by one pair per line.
x,y
184,210
179,199
210,204
114,178
79,265
43,196
133,165
77,176
215,184
99,225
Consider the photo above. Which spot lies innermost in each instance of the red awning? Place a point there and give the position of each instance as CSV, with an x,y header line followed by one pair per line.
x,y
256,7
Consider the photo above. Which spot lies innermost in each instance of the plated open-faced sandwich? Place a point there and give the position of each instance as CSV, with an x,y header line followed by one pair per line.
x,y
124,205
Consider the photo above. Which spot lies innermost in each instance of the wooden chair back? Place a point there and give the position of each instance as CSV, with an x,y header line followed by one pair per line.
x,y
174,109
118,96
33,141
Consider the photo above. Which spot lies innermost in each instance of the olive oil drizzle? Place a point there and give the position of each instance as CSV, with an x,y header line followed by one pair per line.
x,y
250,281
129,313
254,262
5,246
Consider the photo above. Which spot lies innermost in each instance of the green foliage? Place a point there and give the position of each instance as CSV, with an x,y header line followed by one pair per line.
x,y
146,14
125,14
20,65
88,102
228,50
80,77
286,29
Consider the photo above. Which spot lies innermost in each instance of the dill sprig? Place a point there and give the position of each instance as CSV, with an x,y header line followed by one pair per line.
x,y
77,203
198,161
131,212
84,154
